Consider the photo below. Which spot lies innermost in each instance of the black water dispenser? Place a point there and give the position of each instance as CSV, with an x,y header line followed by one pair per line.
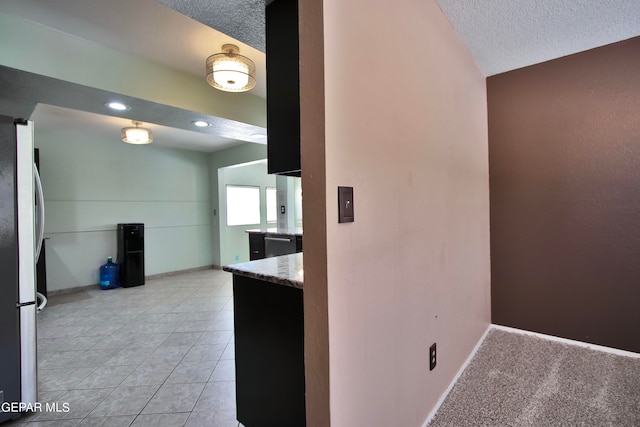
x,y
131,254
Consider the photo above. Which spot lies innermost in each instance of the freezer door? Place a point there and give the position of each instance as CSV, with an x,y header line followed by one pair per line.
x,y
28,361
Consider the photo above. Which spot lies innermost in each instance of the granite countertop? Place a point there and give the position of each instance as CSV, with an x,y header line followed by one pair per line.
x,y
283,270
274,230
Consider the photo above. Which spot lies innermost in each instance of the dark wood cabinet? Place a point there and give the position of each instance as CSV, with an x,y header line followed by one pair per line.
x,y
269,353
283,88
256,246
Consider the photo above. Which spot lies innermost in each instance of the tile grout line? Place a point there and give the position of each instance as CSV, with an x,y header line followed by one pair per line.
x,y
218,314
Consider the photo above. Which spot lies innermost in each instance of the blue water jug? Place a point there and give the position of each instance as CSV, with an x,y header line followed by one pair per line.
x,y
109,275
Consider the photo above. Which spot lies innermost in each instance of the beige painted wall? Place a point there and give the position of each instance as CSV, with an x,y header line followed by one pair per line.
x,y
406,126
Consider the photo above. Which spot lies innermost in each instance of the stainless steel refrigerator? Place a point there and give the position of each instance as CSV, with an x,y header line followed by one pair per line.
x,y
21,232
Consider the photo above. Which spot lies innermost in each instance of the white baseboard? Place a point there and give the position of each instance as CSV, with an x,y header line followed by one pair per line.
x,y
455,379
605,349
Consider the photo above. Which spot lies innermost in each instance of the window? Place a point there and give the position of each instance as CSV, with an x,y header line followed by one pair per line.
x,y
272,205
297,186
243,205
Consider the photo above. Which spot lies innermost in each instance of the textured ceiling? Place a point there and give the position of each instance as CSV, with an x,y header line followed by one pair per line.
x,y
241,19
504,35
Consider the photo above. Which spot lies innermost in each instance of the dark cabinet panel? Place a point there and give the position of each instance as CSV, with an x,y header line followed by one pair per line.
x,y
298,243
269,349
283,88
256,246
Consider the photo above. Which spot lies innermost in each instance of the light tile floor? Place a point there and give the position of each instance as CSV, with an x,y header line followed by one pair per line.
x,y
154,355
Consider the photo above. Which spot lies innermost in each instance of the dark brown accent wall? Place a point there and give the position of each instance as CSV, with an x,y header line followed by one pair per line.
x,y
564,165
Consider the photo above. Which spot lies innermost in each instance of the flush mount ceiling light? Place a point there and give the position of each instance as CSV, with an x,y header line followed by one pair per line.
x,y
136,135
229,71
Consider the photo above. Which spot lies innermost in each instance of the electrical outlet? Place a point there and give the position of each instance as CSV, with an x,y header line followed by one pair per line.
x,y
432,357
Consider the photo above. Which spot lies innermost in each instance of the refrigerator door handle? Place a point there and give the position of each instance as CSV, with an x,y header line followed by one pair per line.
x,y
43,302
39,213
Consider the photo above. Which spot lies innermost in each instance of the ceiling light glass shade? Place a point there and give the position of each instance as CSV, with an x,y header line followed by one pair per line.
x,y
231,72
137,135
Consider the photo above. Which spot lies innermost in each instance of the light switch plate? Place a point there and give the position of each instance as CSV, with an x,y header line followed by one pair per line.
x,y
345,204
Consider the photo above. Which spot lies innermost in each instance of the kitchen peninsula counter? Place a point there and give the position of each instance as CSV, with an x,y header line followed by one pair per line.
x,y
269,341
283,270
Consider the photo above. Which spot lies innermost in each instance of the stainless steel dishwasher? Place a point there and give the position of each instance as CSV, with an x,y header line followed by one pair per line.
x,y
279,245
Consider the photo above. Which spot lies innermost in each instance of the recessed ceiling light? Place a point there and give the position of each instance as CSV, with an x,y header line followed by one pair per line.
x,y
201,123
258,135
118,106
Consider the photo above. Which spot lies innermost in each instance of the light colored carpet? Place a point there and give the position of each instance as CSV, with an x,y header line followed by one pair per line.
x,y
521,380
